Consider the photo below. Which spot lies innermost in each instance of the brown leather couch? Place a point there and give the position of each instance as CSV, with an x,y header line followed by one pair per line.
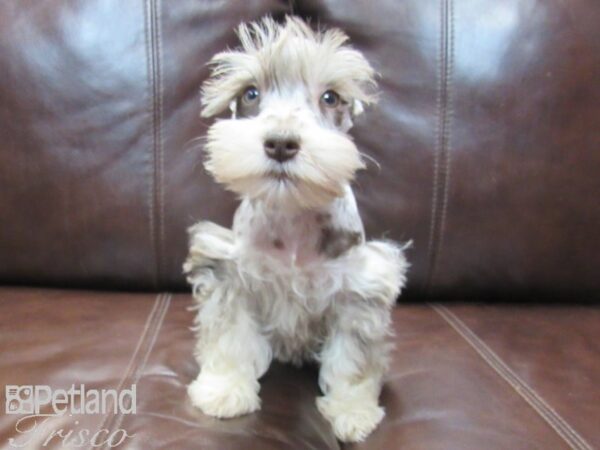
x,y
487,137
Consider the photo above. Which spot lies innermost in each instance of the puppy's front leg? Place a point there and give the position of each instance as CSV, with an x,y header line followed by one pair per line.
x,y
354,357
352,367
231,351
232,355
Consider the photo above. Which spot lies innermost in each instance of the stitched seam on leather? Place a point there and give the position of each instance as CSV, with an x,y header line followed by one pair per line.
x,y
161,198
154,48
438,106
139,370
549,414
447,139
151,183
131,364
441,164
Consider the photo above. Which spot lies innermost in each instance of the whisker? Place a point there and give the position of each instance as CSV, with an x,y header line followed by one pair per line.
x,y
195,144
372,160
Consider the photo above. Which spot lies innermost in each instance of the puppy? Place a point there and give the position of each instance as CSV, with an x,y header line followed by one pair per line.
x,y
295,278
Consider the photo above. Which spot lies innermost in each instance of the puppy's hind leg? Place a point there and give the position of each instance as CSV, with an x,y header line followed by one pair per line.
x,y
355,355
231,351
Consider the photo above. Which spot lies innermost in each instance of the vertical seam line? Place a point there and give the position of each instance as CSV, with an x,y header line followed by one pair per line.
x,y
154,55
161,198
448,131
548,414
151,182
441,164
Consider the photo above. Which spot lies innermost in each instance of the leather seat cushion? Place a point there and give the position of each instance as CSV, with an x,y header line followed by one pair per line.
x,y
462,377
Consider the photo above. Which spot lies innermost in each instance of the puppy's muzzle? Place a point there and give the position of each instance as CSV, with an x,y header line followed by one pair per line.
x,y
281,148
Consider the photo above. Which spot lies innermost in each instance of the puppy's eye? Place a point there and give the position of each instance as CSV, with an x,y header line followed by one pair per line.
x,y
250,95
330,98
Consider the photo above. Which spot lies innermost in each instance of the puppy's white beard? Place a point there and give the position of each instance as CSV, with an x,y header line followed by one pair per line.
x,y
287,193
326,163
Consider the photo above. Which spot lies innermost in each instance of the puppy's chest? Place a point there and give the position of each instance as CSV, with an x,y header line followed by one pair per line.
x,y
301,241
292,241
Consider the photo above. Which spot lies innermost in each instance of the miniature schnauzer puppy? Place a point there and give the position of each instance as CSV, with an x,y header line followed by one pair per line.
x,y
295,278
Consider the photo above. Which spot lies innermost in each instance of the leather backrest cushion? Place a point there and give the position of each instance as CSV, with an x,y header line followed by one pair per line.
x,y
486,136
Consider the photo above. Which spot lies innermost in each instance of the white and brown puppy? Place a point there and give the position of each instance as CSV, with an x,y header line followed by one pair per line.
x,y
295,279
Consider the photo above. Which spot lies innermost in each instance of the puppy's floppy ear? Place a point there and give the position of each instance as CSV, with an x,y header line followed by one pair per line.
x,y
214,106
233,109
357,108
231,72
214,100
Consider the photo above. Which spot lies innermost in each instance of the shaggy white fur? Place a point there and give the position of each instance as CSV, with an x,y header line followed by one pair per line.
x,y
294,279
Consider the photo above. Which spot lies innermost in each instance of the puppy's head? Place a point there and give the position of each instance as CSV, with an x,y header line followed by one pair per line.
x,y
292,93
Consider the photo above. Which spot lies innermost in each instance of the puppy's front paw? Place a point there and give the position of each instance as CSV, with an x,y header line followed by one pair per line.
x,y
351,422
224,395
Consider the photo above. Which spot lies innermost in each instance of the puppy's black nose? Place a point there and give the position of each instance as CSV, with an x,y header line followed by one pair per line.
x,y
281,149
